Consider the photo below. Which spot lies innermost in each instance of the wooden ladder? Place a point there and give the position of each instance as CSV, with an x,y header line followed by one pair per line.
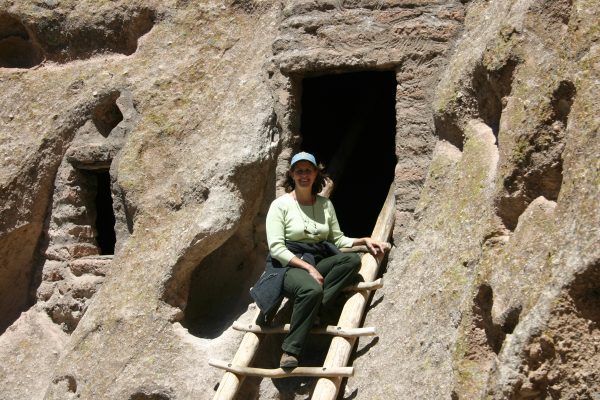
x,y
345,333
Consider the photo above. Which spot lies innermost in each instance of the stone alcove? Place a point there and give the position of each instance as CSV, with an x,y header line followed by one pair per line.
x,y
26,41
87,222
17,49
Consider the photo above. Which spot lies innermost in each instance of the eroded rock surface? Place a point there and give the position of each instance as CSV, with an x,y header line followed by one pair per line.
x,y
186,113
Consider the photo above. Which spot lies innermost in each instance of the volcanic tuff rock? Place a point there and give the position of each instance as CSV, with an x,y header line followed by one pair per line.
x,y
190,175
192,109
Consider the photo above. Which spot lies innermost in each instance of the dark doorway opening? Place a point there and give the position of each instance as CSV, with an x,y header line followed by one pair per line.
x,y
105,216
349,123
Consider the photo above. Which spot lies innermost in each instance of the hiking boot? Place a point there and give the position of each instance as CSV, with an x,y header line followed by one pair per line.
x,y
288,361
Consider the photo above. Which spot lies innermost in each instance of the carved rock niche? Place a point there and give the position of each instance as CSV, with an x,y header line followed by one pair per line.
x,y
80,237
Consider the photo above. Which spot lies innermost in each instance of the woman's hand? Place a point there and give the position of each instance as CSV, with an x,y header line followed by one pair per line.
x,y
375,247
316,275
312,271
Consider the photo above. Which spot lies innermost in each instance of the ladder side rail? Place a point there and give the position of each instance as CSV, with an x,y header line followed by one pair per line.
x,y
230,383
341,348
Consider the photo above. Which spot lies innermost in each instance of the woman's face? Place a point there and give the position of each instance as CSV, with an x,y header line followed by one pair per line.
x,y
304,174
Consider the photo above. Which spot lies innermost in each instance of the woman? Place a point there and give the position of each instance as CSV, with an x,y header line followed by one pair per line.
x,y
304,263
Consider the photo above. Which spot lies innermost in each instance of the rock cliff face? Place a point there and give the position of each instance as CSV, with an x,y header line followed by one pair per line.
x,y
174,121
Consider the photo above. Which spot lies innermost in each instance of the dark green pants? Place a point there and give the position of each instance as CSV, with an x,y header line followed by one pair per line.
x,y
338,272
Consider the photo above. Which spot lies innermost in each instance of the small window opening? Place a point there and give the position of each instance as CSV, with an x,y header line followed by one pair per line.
x,y
107,115
349,122
105,217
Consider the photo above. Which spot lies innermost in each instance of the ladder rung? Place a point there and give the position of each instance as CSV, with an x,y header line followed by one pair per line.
x,y
376,284
322,372
327,330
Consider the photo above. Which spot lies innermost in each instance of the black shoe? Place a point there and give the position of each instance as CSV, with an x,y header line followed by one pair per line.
x,y
288,361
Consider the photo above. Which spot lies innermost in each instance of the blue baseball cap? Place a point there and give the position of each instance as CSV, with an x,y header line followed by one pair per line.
x,y
303,156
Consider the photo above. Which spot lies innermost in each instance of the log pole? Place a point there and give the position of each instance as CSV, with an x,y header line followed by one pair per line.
x,y
341,347
231,382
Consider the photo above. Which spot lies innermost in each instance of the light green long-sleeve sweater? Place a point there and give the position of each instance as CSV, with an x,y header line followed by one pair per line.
x,y
288,220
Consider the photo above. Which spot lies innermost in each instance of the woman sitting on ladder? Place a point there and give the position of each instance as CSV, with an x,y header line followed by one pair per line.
x,y
304,263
